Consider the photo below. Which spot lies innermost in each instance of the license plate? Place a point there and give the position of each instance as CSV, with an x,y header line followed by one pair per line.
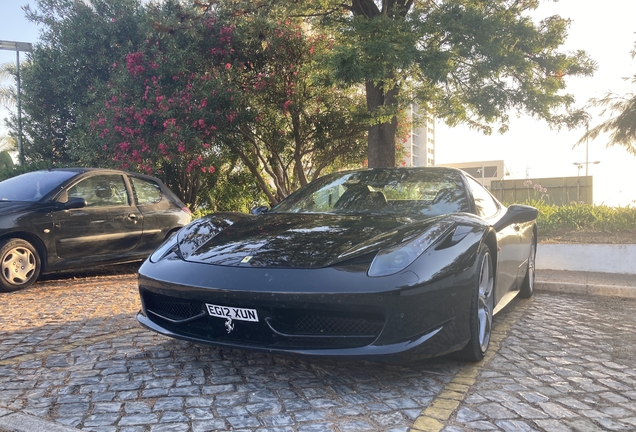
x,y
234,313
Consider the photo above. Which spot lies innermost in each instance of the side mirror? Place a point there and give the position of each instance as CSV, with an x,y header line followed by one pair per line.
x,y
74,203
516,213
259,210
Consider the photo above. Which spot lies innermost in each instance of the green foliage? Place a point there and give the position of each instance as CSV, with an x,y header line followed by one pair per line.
x,y
622,126
235,191
168,99
187,92
7,91
464,61
303,125
68,71
6,162
585,217
14,170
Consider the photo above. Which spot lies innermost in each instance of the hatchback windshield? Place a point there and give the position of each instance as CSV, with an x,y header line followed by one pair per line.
x,y
32,186
399,191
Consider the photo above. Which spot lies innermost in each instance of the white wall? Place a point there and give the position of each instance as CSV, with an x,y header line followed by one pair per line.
x,y
606,258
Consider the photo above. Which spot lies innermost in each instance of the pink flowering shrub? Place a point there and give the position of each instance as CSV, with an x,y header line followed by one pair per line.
x,y
166,107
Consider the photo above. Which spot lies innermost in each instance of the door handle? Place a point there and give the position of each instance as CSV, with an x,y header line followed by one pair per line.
x,y
132,216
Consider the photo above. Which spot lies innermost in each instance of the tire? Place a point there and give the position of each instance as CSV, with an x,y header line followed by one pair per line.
x,y
527,286
20,265
481,310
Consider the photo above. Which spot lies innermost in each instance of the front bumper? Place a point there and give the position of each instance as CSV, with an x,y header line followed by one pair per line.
x,y
317,312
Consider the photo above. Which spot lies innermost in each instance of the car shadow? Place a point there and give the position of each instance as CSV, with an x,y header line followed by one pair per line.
x,y
108,270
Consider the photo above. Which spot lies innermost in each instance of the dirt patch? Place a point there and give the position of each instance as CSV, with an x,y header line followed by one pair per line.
x,y
589,237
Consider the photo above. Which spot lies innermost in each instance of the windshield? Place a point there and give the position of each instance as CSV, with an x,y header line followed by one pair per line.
x,y
32,186
399,191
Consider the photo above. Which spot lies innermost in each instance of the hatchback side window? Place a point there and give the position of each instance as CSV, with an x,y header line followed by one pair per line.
x,y
146,192
486,205
101,191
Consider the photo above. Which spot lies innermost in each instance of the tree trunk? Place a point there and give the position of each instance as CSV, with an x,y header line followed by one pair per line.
x,y
381,138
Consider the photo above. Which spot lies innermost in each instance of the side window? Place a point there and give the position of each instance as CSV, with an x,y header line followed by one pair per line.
x,y
101,191
486,205
146,192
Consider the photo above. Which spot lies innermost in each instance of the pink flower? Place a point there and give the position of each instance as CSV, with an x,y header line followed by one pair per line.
x,y
231,116
163,149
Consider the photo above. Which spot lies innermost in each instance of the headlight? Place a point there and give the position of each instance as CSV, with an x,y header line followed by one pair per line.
x,y
397,258
169,246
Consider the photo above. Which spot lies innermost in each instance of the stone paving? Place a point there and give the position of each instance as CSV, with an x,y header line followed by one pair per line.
x,y
568,364
72,353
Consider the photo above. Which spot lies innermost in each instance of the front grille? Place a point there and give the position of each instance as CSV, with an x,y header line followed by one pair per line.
x,y
277,327
327,324
171,307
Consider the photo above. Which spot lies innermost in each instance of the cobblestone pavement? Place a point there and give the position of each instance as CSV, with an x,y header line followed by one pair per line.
x,y
568,364
71,352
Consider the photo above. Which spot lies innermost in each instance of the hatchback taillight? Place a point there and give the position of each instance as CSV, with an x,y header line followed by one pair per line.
x,y
187,210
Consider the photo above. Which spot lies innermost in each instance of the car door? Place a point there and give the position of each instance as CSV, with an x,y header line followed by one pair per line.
x,y
160,215
507,239
109,226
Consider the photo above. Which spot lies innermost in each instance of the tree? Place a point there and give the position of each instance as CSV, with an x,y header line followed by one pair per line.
x,y
209,90
7,92
167,100
68,71
193,93
464,61
622,126
302,124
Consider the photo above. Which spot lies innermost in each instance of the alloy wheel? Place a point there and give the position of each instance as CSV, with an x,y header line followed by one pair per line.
x,y
485,302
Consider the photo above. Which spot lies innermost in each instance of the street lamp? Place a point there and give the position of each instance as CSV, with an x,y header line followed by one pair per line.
x,y
587,141
579,165
17,47
481,170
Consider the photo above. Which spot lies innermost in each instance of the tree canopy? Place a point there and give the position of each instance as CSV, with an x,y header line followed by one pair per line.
x,y
273,93
189,93
464,61
621,125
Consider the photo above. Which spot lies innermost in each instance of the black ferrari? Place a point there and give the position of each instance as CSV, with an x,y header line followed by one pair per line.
x,y
71,218
379,263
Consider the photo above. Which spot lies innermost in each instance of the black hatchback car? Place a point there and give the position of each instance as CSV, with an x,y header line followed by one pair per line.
x,y
70,218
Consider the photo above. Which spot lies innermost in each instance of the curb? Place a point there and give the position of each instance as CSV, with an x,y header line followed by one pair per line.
x,y
586,289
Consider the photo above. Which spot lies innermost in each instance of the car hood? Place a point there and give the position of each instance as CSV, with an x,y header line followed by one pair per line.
x,y
292,240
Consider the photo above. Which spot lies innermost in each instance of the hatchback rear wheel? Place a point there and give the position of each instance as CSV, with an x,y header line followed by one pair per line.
x,y
20,265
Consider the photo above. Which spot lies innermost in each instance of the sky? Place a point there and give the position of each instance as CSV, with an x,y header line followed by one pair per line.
x,y
607,31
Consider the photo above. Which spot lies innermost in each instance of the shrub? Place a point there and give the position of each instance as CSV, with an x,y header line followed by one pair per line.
x,y
585,217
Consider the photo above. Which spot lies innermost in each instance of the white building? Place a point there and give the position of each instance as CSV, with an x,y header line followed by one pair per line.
x,y
420,146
